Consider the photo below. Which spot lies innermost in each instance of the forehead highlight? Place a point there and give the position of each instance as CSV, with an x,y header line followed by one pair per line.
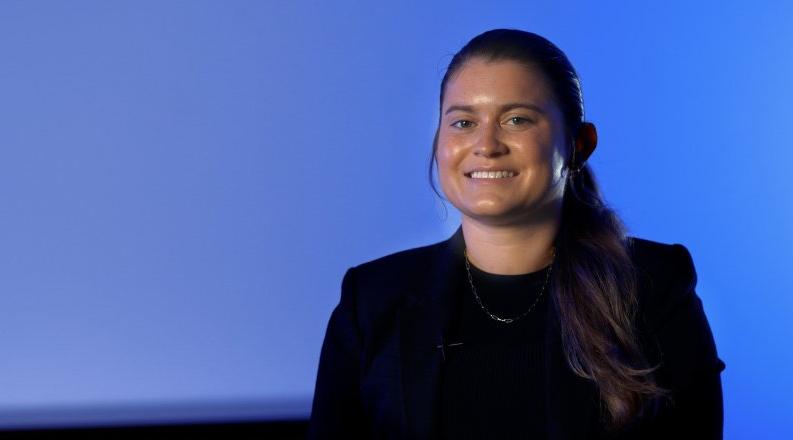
x,y
479,82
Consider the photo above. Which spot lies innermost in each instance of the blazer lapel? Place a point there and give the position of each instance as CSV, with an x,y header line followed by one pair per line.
x,y
424,322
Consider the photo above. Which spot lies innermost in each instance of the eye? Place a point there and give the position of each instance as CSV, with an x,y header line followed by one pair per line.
x,y
518,120
462,124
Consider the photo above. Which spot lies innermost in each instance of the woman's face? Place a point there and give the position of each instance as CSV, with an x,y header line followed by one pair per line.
x,y
501,116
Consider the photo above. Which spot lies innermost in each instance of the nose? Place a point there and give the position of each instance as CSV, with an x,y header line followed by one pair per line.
x,y
488,143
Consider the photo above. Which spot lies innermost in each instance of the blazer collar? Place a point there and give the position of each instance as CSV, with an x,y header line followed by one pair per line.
x,y
424,322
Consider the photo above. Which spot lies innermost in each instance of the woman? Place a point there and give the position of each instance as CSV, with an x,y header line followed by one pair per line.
x,y
539,317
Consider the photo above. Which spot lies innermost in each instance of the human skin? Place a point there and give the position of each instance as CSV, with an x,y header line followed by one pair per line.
x,y
509,224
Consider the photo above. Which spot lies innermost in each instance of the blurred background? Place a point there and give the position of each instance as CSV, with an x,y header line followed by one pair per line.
x,y
184,183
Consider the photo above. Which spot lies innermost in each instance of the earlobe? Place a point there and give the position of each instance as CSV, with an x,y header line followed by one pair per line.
x,y
587,140
582,148
585,143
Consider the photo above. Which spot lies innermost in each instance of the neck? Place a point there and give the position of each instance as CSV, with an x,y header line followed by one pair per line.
x,y
509,249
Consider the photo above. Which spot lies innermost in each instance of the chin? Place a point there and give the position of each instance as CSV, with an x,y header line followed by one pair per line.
x,y
488,213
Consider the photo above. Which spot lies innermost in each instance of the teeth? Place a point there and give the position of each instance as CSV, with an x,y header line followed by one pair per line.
x,y
491,174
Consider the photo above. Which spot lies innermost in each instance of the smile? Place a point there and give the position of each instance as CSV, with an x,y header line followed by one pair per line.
x,y
490,174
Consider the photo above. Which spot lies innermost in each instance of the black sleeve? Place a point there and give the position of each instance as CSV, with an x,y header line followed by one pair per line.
x,y
690,368
336,410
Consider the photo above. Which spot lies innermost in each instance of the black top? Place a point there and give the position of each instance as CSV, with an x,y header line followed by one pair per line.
x,y
493,383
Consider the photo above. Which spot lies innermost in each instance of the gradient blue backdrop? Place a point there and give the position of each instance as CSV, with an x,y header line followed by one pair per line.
x,y
184,183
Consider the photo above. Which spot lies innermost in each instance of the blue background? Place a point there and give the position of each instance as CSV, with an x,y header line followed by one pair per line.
x,y
184,183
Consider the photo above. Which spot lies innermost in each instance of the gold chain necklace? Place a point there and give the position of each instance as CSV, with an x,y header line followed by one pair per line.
x,y
498,318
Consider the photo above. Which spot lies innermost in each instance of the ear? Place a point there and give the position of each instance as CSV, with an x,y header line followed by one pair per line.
x,y
585,142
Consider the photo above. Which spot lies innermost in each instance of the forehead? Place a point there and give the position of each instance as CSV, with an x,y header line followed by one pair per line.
x,y
482,82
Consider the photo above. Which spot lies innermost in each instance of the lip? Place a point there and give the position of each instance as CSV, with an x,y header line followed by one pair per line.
x,y
498,181
494,180
493,168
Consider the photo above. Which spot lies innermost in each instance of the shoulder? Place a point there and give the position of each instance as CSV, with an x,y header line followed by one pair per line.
x,y
380,285
666,274
398,267
673,313
662,262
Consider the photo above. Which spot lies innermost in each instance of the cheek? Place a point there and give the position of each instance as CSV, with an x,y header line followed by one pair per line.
x,y
447,166
444,159
449,150
442,154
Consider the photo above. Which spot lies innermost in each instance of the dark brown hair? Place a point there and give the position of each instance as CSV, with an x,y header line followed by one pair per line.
x,y
595,284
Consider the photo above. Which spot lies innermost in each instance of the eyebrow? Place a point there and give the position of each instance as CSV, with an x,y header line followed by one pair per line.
x,y
505,107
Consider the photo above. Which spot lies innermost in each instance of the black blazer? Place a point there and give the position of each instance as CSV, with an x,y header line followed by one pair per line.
x,y
380,366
